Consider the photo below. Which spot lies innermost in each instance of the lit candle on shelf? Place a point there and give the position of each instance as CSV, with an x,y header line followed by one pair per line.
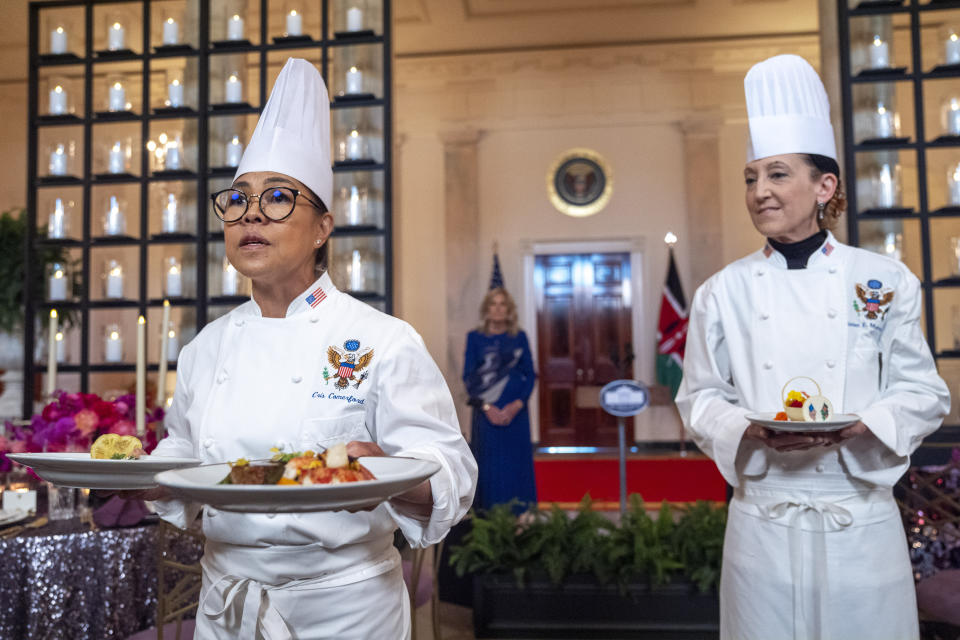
x,y
117,161
879,53
354,146
141,376
234,92
294,23
113,345
115,37
234,152
354,215
170,222
52,354
114,283
175,94
354,19
357,280
58,283
58,101
171,32
953,117
235,28
952,46
173,343
58,161
173,283
172,156
58,41
57,222
61,347
887,187
953,184
354,81
118,97
893,245
229,283
114,223
162,371
885,122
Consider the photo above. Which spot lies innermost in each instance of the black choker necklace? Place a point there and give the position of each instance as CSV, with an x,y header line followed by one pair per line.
x,y
797,253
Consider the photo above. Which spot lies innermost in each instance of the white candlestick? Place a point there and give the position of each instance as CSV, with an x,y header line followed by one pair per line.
x,y
953,183
354,19
58,101
887,188
57,222
114,286
171,215
879,53
61,347
171,32
229,285
354,145
162,372
113,346
294,23
354,81
353,206
52,354
117,160
118,97
58,285
357,280
172,156
115,37
884,122
58,161
114,224
175,94
235,28
234,91
234,152
58,41
173,283
141,376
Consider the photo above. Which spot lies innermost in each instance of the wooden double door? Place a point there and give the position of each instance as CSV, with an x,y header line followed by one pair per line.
x,y
584,340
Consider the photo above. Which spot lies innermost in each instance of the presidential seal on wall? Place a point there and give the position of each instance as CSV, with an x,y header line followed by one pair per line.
x,y
580,183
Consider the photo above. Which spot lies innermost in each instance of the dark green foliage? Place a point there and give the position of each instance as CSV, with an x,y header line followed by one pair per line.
x,y
687,545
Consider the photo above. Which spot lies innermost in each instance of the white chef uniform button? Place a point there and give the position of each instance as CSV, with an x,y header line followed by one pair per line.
x,y
271,515
296,379
238,322
831,363
768,365
819,468
832,269
209,442
314,319
221,377
210,511
832,313
760,272
764,315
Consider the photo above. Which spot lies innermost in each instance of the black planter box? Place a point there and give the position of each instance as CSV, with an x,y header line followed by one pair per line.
x,y
582,608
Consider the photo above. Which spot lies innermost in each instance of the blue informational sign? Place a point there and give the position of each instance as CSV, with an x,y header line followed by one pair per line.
x,y
624,398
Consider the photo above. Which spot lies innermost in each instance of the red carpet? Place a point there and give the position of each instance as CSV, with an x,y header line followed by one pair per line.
x,y
565,479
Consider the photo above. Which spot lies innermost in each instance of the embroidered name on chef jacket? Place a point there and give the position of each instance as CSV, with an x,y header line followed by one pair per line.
x,y
347,369
872,302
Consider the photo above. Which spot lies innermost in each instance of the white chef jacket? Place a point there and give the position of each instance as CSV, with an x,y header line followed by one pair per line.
x,y
814,545
248,383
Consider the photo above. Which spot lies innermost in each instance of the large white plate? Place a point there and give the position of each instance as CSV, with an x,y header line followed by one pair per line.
x,y
80,470
840,421
394,476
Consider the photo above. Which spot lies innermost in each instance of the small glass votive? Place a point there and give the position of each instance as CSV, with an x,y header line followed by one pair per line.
x,y
61,502
955,262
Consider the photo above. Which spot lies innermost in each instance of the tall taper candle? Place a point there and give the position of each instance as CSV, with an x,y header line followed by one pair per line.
x,y
52,354
162,372
141,376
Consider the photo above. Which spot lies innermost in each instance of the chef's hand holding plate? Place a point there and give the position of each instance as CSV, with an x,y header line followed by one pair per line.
x,y
792,441
418,500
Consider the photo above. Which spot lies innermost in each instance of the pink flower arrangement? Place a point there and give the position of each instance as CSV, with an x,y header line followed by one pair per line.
x,y
73,421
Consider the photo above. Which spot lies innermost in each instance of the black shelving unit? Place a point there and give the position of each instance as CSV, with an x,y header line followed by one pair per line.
x,y
914,68
200,52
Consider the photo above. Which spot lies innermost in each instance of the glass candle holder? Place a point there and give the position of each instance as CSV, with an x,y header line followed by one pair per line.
x,y
113,280
58,101
953,185
61,502
59,160
353,146
886,122
879,52
117,94
233,89
112,343
114,219
353,205
951,45
58,281
170,220
955,253
172,278
58,220
887,186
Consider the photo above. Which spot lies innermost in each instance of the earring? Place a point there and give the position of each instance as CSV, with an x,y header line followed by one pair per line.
x,y
319,242
821,206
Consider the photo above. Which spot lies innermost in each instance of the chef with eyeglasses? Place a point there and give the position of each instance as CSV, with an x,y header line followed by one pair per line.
x,y
814,546
303,366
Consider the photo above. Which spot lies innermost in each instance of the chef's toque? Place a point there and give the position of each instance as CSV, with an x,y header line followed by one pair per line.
x,y
788,110
293,134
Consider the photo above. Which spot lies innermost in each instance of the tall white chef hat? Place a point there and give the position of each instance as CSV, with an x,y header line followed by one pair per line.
x,y
293,134
788,110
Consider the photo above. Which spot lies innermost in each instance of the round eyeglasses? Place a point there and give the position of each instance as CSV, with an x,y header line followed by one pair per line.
x,y
276,203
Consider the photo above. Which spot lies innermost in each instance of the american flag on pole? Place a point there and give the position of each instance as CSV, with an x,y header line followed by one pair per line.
x,y
346,369
316,296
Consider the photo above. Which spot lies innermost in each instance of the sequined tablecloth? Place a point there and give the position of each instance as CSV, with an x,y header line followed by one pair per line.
x,y
65,581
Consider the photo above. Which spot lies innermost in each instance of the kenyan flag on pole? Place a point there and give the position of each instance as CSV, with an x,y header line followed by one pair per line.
x,y
672,331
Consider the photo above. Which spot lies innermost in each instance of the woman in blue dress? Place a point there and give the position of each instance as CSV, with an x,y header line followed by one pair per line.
x,y
499,376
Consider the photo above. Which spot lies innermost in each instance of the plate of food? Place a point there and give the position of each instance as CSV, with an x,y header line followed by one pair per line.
x,y
805,410
299,482
114,462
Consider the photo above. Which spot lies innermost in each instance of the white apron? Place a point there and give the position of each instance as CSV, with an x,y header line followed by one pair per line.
x,y
814,545
249,383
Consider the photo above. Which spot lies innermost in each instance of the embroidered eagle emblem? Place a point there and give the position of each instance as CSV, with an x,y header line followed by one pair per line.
x,y
348,362
874,298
